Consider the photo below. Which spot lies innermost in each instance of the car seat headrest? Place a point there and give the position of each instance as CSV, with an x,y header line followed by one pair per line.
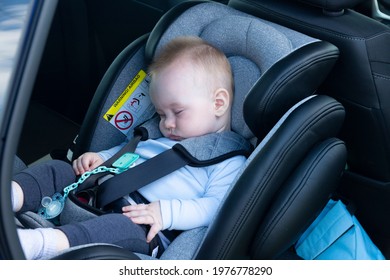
x,y
251,44
288,81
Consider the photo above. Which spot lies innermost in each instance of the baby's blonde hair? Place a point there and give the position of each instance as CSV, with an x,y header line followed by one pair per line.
x,y
202,54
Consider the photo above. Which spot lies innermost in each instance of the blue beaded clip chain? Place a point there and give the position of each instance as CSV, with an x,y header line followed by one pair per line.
x,y
53,206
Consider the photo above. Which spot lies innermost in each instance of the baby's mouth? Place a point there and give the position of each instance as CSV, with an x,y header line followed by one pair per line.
x,y
175,137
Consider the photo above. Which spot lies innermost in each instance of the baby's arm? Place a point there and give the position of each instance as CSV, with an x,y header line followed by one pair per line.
x,y
149,214
90,160
86,162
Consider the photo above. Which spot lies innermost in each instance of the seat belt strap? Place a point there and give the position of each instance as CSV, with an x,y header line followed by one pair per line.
x,y
139,176
128,148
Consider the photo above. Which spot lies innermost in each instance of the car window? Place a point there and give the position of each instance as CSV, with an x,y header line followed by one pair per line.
x,y
13,14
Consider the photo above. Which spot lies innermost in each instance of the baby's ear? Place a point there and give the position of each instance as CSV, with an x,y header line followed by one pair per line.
x,y
221,101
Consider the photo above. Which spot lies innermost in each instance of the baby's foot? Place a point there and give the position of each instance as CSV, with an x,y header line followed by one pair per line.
x,y
40,243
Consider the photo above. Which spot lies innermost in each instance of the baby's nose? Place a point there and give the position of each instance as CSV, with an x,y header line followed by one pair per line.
x,y
169,123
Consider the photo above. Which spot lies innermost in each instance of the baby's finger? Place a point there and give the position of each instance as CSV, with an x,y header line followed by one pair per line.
x,y
154,229
85,164
74,165
77,167
138,216
129,208
142,219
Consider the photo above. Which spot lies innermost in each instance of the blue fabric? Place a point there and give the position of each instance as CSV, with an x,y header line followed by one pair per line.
x,y
337,235
42,180
114,229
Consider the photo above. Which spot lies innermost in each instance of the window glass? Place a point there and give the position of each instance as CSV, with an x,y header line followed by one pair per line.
x,y
13,15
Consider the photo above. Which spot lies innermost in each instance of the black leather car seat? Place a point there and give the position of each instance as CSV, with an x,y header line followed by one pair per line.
x,y
360,80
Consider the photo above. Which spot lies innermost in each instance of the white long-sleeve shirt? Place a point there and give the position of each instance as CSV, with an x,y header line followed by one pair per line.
x,y
190,196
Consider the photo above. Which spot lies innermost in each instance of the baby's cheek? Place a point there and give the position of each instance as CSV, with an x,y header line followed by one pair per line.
x,y
161,127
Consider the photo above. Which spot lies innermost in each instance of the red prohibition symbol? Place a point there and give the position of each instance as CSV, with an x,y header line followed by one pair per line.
x,y
123,120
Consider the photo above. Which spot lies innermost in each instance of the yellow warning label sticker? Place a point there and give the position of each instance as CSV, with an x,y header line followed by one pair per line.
x,y
125,95
133,106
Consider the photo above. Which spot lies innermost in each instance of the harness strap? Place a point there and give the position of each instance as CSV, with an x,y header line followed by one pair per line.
x,y
129,147
197,152
139,176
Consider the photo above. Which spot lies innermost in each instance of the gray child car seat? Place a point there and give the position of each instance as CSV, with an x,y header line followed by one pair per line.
x,y
293,171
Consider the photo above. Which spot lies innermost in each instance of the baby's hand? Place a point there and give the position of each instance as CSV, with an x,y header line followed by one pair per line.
x,y
149,214
86,162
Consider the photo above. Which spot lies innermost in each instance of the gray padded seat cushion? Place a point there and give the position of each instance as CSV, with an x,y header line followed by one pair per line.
x,y
106,135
